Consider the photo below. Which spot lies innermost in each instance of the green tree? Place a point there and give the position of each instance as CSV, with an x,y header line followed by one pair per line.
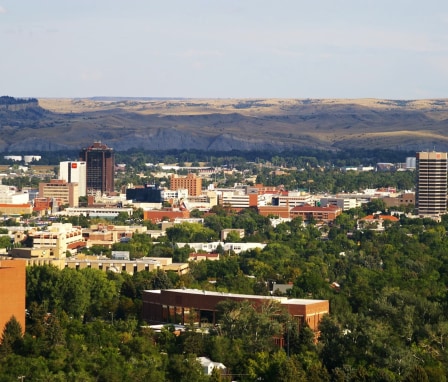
x,y
41,285
255,328
12,337
185,368
72,294
102,292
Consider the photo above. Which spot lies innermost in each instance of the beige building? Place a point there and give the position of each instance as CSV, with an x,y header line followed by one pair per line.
x,y
68,193
59,238
129,266
225,233
16,209
108,234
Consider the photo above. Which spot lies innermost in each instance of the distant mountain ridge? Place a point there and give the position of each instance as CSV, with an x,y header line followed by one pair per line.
x,y
222,124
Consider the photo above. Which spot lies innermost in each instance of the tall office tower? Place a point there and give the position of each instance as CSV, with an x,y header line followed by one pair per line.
x,y
100,165
431,192
74,172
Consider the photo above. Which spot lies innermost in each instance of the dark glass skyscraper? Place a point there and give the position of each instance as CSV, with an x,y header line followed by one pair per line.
x,y
100,167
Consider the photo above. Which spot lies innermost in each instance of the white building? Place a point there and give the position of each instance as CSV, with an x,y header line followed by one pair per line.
x,y
107,212
344,203
29,158
293,199
208,365
178,194
8,195
234,199
211,247
16,158
74,172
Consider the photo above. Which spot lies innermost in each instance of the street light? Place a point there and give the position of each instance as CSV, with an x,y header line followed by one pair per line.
x,y
21,378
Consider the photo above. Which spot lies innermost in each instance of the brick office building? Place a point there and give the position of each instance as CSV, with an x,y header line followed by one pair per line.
x,y
157,216
190,182
308,213
184,305
12,292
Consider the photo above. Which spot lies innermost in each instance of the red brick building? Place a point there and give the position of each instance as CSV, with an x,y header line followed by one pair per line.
x,y
182,305
190,182
280,211
307,213
12,292
156,216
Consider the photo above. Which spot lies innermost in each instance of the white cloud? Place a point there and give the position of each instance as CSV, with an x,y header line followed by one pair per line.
x,y
2,10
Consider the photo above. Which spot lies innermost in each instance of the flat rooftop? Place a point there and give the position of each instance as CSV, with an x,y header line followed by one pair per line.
x,y
282,300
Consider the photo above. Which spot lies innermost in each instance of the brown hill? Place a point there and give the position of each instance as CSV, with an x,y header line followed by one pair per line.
x,y
226,124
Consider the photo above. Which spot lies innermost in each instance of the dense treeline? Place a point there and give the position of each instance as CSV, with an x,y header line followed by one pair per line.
x,y
7,100
298,158
387,292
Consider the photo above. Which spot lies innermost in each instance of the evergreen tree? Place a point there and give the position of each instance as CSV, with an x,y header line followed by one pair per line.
x,y
12,338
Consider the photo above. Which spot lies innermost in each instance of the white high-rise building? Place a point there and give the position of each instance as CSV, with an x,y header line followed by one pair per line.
x,y
74,172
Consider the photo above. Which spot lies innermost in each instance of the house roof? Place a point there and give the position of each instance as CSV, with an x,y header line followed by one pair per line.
x,y
381,217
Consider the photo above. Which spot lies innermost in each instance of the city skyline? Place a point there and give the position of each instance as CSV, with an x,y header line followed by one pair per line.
x,y
224,49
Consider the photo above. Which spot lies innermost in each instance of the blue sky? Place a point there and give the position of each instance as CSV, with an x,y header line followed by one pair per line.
x,y
396,49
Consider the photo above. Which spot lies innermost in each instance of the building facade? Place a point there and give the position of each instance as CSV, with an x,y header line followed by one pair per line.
x,y
100,168
59,189
12,292
186,305
431,190
308,213
344,203
8,195
146,194
16,209
190,182
59,238
74,172
167,214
